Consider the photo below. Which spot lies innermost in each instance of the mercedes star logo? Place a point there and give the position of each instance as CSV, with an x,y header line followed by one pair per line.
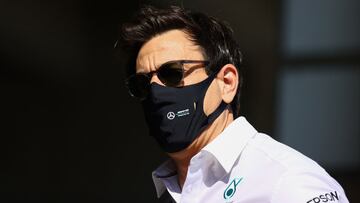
x,y
170,115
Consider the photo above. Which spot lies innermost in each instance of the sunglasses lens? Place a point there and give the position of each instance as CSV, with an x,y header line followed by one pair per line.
x,y
171,74
138,85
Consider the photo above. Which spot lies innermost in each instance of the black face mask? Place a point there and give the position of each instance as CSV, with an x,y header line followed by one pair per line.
x,y
175,116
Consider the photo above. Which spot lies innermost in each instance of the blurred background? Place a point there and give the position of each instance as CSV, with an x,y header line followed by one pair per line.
x,y
70,132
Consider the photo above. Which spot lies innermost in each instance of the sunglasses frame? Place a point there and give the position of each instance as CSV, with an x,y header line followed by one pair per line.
x,y
149,74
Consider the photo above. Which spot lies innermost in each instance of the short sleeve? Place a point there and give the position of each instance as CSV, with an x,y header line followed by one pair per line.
x,y
307,187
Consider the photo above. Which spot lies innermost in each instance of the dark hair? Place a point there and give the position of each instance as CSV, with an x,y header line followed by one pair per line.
x,y
213,36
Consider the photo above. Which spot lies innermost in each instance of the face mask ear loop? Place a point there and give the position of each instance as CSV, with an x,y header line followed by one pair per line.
x,y
217,112
198,103
219,109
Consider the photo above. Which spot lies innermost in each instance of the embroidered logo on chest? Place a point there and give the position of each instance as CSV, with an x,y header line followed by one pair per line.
x,y
231,188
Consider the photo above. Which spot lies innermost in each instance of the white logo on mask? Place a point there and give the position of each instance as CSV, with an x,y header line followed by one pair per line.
x,y
170,115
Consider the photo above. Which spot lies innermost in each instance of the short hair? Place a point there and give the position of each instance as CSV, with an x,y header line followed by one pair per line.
x,y
215,37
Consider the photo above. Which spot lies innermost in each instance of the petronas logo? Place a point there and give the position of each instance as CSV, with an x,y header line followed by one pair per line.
x,y
231,188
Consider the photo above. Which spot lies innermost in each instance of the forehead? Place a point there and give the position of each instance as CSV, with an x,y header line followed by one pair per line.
x,y
171,45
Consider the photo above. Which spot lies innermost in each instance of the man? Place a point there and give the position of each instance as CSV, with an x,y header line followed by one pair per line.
x,y
185,68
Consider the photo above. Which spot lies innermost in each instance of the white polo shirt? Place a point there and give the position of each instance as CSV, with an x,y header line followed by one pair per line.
x,y
242,165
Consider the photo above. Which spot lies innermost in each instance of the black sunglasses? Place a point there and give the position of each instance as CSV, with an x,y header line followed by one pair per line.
x,y
170,74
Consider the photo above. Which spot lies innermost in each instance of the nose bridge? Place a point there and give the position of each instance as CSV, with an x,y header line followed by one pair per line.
x,y
155,78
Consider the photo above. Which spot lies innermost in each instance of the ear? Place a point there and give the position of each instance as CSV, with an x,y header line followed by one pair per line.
x,y
228,81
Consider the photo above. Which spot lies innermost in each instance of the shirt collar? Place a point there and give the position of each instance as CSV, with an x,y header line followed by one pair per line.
x,y
226,148
165,176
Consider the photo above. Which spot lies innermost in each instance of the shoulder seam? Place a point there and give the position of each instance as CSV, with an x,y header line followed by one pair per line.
x,y
269,155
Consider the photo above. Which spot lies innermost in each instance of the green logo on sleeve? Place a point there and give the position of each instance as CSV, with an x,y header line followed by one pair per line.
x,y
231,188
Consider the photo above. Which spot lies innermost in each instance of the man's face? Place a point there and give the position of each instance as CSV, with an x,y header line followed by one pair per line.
x,y
175,45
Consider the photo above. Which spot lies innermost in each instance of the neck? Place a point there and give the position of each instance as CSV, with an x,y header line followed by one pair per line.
x,y
182,158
